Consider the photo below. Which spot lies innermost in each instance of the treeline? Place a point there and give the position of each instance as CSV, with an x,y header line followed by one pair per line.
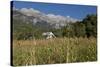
x,y
85,28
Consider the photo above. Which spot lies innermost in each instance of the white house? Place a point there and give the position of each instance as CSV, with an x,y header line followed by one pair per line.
x,y
48,35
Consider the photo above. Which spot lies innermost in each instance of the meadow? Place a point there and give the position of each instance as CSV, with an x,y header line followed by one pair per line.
x,y
53,51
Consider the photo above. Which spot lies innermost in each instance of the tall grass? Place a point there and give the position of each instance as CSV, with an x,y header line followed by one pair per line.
x,y
51,51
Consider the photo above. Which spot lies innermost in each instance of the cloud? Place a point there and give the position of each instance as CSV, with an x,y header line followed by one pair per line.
x,y
68,16
29,12
56,18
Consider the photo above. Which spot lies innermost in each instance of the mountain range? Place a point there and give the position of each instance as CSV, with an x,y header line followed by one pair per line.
x,y
30,16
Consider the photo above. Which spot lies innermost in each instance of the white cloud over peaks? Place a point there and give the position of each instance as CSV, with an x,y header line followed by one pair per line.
x,y
56,17
29,12
68,16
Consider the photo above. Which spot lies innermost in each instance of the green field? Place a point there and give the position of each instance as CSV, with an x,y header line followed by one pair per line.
x,y
52,51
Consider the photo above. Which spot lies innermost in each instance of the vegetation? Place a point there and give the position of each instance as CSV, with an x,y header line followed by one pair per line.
x,y
75,42
85,28
58,50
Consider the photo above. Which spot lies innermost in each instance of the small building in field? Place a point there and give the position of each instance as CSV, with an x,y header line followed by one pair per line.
x,y
48,35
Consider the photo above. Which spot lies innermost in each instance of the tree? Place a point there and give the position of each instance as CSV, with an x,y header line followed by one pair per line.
x,y
79,29
91,25
67,31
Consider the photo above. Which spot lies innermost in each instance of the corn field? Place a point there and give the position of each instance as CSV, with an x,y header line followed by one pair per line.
x,y
53,51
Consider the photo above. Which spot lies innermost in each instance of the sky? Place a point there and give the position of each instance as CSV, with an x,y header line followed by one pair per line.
x,y
75,11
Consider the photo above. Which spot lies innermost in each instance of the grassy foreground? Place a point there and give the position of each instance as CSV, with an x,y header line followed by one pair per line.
x,y
51,51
